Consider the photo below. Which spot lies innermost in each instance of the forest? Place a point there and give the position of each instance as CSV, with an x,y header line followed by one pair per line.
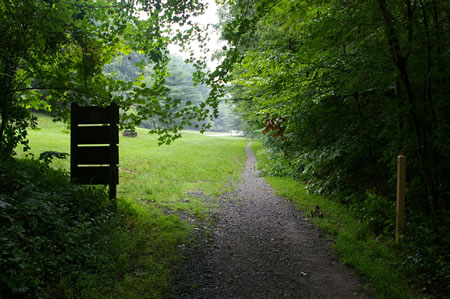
x,y
343,88
335,90
351,85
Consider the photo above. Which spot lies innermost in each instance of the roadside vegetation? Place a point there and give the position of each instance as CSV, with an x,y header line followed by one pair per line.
x,y
392,271
341,89
63,240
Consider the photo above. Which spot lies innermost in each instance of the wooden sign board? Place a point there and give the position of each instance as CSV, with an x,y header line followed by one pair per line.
x,y
94,150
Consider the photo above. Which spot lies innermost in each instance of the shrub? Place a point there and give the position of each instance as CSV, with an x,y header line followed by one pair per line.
x,y
379,212
49,227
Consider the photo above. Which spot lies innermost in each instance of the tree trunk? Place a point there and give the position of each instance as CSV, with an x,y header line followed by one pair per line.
x,y
422,140
3,123
428,80
4,107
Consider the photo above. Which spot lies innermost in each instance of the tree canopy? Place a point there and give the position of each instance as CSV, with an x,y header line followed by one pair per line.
x,y
341,88
354,84
54,52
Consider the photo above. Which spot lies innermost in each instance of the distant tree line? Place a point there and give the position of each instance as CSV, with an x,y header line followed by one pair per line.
x,y
180,86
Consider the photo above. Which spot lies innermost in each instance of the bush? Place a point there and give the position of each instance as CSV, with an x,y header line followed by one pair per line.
x,y
49,227
272,162
275,164
426,259
379,212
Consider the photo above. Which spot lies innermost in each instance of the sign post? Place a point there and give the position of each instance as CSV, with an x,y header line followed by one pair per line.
x,y
94,151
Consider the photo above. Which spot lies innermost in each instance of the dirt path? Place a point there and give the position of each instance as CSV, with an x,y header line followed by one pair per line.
x,y
263,248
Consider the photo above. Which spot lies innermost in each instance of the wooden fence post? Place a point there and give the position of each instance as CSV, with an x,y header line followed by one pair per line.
x,y
73,139
400,215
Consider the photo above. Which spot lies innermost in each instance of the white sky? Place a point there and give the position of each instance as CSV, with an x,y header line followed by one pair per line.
x,y
209,17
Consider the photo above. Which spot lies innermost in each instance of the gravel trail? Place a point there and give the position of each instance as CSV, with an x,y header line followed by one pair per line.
x,y
262,247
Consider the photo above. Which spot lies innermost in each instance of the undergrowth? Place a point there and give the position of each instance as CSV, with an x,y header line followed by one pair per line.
x,y
52,229
60,240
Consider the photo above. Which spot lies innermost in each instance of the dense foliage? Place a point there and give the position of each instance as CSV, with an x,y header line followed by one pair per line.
x,y
351,85
53,53
52,231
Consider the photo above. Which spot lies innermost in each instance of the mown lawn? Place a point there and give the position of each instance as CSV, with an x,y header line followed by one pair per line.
x,y
161,192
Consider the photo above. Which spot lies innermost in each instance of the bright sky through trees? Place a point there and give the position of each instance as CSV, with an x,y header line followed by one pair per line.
x,y
207,22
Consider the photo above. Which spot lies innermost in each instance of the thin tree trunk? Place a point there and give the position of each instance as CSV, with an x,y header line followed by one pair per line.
x,y
3,123
400,61
428,77
4,106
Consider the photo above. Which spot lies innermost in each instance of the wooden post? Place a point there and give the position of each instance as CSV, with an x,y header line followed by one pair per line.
x,y
400,217
73,138
114,140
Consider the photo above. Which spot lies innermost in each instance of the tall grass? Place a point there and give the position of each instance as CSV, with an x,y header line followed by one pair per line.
x,y
163,192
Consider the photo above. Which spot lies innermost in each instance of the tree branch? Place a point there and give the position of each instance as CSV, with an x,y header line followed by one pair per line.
x,y
97,7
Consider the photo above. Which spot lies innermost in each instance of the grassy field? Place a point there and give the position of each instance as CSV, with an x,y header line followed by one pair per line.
x,y
158,174
162,188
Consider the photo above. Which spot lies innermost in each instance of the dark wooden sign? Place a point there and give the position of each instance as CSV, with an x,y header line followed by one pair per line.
x,y
94,150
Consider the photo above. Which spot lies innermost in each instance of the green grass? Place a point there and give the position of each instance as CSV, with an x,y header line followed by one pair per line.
x,y
165,174
157,185
375,259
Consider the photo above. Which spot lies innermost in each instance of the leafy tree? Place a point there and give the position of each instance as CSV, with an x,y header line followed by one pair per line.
x,y
179,85
54,52
354,84
357,82
124,67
